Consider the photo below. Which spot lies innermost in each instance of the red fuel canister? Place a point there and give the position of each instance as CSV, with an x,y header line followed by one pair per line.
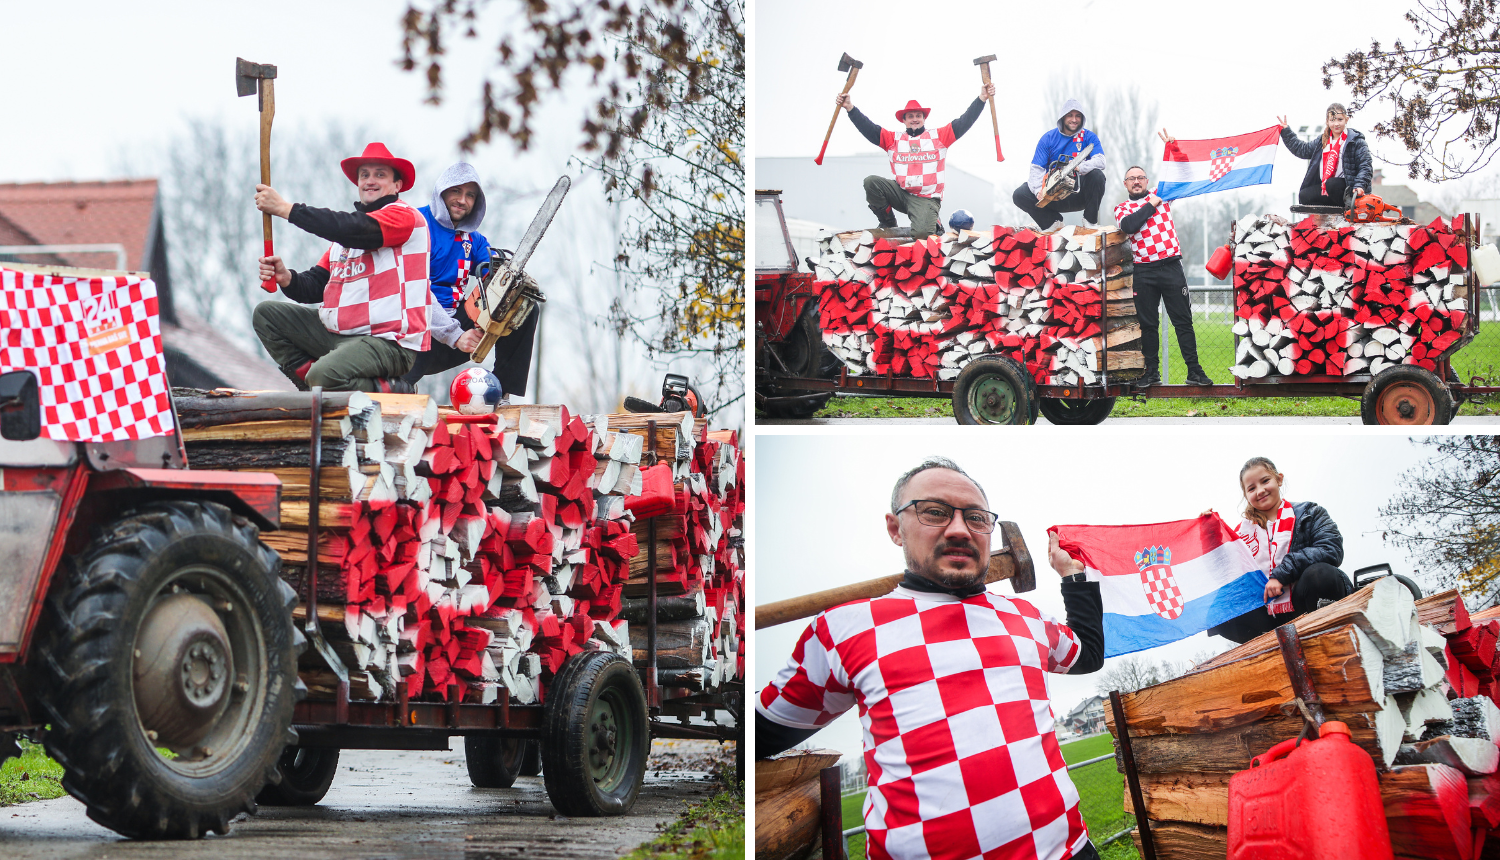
x,y
1319,800
1221,261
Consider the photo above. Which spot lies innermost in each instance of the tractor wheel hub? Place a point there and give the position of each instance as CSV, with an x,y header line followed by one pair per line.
x,y
182,669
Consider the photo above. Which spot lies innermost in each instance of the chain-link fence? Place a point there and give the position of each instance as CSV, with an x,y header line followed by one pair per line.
x,y
1213,316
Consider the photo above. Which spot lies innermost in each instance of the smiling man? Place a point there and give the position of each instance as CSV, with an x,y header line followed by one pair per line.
x,y
918,156
377,311
959,745
1055,149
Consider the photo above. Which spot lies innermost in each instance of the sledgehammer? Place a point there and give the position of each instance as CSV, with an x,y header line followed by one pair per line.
x,y
1011,561
852,66
984,71
261,77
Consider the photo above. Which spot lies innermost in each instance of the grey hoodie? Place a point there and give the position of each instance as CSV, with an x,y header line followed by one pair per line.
x,y
1038,175
457,174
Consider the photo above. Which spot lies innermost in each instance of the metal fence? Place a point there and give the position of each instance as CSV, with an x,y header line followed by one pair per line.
x,y
1213,315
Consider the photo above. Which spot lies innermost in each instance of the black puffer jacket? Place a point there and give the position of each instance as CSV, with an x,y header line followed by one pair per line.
x,y
1359,170
1315,538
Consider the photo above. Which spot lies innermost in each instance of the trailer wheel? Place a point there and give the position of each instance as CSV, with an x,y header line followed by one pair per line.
x,y
494,762
171,631
1062,410
1406,395
306,775
531,762
994,389
595,736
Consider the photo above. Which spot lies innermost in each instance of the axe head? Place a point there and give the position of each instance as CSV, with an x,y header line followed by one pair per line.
x,y
247,76
988,58
847,62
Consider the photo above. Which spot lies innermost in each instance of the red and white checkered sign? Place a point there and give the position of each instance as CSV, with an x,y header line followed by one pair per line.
x,y
95,347
1157,238
381,292
962,757
918,163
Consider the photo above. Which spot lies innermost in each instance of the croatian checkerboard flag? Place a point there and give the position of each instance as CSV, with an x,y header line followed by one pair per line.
x,y
1192,167
1165,581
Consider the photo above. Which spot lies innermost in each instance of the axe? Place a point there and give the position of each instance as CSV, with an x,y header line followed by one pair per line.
x,y
852,66
251,78
1012,561
984,72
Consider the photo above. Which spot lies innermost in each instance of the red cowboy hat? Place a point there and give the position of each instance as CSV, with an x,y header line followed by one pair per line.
x,y
376,153
911,106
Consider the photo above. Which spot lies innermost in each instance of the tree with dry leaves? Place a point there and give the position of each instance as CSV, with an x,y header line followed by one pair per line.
x,y
666,135
1447,514
1441,87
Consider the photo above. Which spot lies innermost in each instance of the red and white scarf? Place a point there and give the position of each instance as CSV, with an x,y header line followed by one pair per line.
x,y
1269,545
1332,150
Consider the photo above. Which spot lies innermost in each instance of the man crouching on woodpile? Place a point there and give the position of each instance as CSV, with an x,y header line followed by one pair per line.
x,y
1055,149
959,743
377,313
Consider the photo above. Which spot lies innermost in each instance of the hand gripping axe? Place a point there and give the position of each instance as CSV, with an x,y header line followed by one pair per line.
x,y
852,66
251,78
984,72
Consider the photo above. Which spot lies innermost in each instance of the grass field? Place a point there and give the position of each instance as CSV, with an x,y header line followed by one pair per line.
x,y
1216,354
30,776
1101,791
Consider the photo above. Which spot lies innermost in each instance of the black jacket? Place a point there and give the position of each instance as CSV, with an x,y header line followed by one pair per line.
x,y
1359,170
1315,538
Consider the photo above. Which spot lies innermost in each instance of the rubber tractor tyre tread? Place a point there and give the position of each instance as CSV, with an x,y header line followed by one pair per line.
x,y
1443,407
493,761
531,762
817,361
1013,377
1077,411
306,775
583,680
90,622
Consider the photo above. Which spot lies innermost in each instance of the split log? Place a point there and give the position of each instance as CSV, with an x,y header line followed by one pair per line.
x,y
264,406
1197,798
1382,610
1230,750
260,432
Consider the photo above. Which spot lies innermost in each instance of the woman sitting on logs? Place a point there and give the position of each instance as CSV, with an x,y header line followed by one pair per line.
x,y
1339,168
1298,544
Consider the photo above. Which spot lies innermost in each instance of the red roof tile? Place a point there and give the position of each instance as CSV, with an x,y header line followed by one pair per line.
x,y
85,213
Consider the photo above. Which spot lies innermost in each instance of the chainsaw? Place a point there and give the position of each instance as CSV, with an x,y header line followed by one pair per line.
x,y
1369,209
505,296
677,395
1060,182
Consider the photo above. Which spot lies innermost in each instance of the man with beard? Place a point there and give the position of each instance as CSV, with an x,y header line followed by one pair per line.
x,y
958,731
1147,220
1055,149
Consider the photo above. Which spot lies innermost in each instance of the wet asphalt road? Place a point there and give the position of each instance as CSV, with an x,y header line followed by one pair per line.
x,y
387,804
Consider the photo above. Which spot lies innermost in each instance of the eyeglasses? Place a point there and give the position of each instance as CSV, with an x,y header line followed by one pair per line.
x,y
1135,179
939,514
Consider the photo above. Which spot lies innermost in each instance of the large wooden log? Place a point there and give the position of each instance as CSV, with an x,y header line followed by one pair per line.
x,y
260,431
1178,841
1197,798
782,771
1383,610
787,825
1345,667
1231,750
256,406
679,644
680,608
262,455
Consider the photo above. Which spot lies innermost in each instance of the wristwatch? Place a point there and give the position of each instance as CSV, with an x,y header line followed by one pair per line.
x,y
1076,577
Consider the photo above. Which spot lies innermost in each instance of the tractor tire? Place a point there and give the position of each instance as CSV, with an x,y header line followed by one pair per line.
x,y
1060,410
994,389
803,354
494,762
531,763
306,775
595,737
172,630
1406,395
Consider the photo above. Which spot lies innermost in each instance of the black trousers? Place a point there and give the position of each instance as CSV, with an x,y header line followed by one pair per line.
x,y
512,355
1311,192
1163,282
1087,199
1318,581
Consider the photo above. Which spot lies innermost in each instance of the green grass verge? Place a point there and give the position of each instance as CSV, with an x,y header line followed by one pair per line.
x,y
711,830
30,776
1101,791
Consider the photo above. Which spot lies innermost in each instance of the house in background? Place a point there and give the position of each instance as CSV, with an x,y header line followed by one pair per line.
x,y
1411,205
127,214
1085,719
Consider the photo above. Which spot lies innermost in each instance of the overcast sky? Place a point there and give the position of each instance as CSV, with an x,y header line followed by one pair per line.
x,y
819,503
1215,70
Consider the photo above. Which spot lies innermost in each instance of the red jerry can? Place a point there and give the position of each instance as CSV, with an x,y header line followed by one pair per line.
x,y
1319,800
1221,262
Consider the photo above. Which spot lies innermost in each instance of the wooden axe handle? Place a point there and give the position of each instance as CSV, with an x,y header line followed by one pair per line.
x,y
1013,563
984,72
848,85
267,113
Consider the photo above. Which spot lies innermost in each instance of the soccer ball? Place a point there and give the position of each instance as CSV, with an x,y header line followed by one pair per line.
x,y
476,391
961,220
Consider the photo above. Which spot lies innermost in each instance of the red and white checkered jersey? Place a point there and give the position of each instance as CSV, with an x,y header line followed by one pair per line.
x,y
918,161
94,345
959,744
1157,238
381,292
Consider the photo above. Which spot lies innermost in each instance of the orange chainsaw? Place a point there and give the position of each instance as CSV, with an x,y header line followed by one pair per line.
x,y
1369,209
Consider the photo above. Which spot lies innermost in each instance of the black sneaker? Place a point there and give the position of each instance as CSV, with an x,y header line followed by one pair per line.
x,y
1196,376
1151,377
395,385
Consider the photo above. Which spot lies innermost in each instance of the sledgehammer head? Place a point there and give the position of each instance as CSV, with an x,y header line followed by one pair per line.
x,y
847,62
990,58
247,76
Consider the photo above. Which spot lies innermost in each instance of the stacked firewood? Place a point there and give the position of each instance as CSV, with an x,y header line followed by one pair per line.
x,y
925,308
465,555
1400,289
1379,662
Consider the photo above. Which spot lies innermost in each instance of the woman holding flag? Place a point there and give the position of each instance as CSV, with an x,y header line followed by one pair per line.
x,y
1298,545
1339,170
